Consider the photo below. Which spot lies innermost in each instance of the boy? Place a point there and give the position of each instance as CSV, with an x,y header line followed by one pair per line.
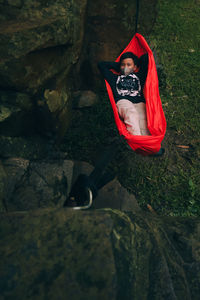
x,y
127,89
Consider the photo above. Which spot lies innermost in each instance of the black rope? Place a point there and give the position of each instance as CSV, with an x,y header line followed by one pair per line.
x,y
136,16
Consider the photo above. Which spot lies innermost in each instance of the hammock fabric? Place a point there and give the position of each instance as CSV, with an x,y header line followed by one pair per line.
x,y
156,123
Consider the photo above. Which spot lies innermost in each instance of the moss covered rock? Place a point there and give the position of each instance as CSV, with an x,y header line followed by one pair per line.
x,y
37,183
3,180
40,43
98,254
39,40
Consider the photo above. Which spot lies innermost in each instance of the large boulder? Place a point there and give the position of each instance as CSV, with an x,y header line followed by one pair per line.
x,y
39,40
36,184
98,254
40,43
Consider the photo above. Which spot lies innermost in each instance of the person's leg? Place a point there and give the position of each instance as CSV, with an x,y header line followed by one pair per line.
x,y
130,116
141,109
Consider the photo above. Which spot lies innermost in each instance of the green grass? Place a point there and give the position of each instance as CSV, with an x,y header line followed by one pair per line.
x,y
177,40
170,184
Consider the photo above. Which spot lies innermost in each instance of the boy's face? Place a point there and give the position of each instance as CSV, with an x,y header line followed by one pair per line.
x,y
127,66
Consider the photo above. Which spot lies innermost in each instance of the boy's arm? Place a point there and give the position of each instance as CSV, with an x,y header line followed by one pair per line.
x,y
105,66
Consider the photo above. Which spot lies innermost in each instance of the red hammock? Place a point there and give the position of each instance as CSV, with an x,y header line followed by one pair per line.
x,y
145,145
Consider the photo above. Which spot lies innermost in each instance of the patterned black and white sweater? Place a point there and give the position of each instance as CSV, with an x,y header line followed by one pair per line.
x,y
128,87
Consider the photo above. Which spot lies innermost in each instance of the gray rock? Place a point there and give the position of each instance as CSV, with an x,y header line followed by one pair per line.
x,y
16,114
15,169
114,195
85,99
3,181
16,122
105,254
7,111
40,43
37,184
47,183
20,100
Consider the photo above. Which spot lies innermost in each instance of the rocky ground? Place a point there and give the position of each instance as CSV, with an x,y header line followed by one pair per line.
x,y
57,253
31,184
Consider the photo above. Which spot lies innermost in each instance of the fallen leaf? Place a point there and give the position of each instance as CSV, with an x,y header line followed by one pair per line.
x,y
183,146
151,208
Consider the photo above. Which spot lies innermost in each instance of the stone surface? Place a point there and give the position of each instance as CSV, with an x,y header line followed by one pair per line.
x,y
33,147
72,271
47,183
16,114
114,195
36,184
3,180
40,43
21,100
84,99
16,122
98,254
53,112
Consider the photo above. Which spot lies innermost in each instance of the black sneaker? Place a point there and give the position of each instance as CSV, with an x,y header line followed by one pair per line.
x,y
83,204
70,202
159,153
